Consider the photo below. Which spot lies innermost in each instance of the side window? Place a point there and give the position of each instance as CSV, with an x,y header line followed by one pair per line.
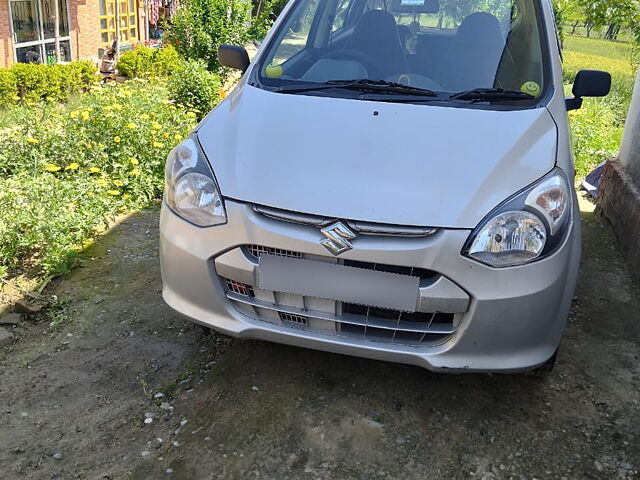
x,y
296,35
341,14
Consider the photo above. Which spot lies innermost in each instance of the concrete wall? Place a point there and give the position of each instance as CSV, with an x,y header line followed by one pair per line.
x,y
630,147
619,195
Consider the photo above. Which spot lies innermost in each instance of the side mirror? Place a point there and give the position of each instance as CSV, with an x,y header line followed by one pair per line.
x,y
233,57
589,83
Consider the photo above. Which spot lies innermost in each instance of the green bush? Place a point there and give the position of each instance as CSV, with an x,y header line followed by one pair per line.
x,y
8,88
35,82
65,169
199,27
194,86
145,62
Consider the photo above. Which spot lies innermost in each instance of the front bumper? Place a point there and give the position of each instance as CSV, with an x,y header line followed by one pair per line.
x,y
513,320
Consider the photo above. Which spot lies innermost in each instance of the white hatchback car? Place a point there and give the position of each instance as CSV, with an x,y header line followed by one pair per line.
x,y
390,179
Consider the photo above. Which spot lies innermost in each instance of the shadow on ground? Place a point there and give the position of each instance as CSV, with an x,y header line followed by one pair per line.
x,y
245,409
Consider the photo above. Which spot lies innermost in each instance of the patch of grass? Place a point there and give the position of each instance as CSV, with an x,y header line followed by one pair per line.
x,y
57,312
597,127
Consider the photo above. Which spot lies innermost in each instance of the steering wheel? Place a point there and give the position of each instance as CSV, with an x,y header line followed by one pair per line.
x,y
361,58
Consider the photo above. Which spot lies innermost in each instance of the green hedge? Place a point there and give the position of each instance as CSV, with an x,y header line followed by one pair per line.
x,y
145,62
33,82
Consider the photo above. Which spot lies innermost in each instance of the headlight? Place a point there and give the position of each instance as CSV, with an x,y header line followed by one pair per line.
x,y
190,189
528,226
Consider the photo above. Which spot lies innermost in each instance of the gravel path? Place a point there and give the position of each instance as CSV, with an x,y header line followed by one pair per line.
x,y
124,388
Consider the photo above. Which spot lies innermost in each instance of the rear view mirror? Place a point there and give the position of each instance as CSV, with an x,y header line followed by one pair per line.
x,y
589,83
233,57
415,6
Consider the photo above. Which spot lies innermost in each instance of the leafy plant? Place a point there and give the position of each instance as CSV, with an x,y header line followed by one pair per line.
x,y
145,62
199,27
192,85
35,82
8,88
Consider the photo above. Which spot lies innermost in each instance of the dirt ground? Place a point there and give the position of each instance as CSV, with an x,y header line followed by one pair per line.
x,y
75,399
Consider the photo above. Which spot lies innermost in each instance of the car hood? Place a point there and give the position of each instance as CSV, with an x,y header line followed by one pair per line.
x,y
394,163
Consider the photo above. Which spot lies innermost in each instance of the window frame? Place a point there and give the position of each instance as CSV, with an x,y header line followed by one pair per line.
x,y
111,32
41,42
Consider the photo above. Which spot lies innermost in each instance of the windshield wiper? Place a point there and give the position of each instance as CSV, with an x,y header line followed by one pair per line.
x,y
363,85
484,94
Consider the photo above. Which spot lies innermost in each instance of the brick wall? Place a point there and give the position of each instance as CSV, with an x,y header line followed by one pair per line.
x,y
85,29
6,45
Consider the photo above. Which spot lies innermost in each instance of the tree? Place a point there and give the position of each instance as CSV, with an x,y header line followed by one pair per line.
x,y
199,27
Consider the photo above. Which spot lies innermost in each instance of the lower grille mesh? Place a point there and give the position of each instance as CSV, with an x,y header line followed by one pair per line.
x,y
345,319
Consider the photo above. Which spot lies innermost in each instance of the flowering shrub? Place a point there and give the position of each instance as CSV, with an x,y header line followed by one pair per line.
x,y
64,169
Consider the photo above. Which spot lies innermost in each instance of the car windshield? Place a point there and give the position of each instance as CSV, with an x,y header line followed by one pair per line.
x,y
447,47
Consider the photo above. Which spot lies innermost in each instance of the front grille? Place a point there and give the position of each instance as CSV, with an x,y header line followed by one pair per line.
x,y
257,250
349,320
293,319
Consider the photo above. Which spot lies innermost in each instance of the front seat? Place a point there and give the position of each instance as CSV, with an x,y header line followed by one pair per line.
x,y
376,37
475,53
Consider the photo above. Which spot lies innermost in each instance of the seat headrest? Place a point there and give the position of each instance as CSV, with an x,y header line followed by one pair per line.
x,y
479,25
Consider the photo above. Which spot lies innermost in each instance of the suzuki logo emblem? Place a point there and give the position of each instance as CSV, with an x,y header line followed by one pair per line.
x,y
338,236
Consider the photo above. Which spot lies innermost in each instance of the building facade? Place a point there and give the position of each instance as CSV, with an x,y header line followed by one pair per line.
x,y
36,31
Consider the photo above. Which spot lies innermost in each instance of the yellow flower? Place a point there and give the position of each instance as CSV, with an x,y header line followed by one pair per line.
x,y
165,135
32,140
191,115
156,126
116,139
72,166
106,108
177,137
117,107
134,161
222,93
135,172
50,167
131,126
118,183
74,114
113,192
102,182
153,132
158,144
50,99
94,170
144,116
85,115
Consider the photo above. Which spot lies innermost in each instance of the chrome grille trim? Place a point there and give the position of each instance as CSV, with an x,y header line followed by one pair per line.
x,y
257,250
362,228
415,327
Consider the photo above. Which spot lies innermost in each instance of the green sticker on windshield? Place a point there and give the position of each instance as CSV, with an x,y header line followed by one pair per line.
x,y
532,88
